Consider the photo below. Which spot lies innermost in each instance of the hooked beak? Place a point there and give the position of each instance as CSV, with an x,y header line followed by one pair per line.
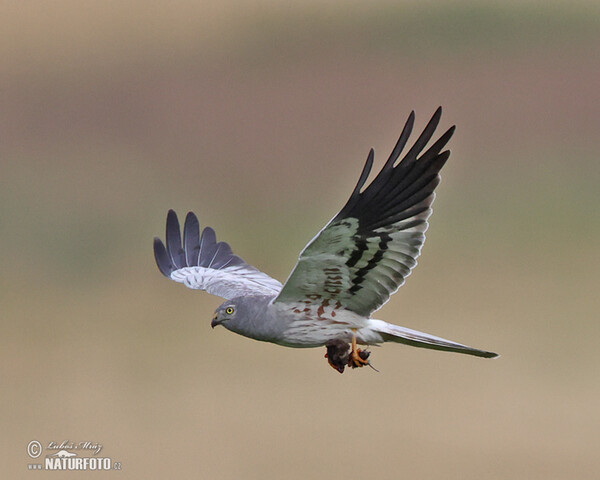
x,y
215,322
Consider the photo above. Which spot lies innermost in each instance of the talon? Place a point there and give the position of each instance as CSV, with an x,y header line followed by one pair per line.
x,y
358,358
363,354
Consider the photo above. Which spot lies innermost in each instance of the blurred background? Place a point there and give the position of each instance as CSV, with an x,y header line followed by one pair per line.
x,y
258,116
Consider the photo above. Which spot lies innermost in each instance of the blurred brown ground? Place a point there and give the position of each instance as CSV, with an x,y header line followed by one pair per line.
x,y
258,116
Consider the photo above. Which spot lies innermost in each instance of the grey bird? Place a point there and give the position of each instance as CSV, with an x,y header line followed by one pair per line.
x,y
344,274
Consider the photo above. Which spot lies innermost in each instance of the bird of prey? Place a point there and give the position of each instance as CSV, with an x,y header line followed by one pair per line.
x,y
344,274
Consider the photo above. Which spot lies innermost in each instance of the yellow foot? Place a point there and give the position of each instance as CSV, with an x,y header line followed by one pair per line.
x,y
358,357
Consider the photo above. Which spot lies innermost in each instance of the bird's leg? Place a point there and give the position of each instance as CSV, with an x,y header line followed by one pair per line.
x,y
358,357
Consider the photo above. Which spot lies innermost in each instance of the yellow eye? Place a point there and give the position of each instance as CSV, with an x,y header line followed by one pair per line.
x,y
229,310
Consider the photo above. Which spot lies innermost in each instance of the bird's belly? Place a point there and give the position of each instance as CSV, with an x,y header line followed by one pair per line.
x,y
310,328
312,334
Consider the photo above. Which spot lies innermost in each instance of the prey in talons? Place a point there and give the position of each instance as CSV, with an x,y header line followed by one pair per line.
x,y
341,355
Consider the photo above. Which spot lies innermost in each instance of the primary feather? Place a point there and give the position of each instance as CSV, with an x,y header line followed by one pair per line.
x,y
202,263
364,254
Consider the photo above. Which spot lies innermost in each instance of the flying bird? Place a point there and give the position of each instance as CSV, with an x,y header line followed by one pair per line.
x,y
344,274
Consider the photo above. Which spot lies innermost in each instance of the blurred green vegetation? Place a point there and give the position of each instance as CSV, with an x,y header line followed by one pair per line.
x,y
439,28
258,116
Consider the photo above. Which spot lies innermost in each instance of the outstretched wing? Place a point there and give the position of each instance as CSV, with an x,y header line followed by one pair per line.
x,y
364,254
203,264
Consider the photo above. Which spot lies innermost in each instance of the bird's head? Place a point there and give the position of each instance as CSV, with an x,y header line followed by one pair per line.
x,y
244,315
225,314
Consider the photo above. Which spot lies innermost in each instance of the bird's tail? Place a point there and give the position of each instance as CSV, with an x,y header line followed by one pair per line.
x,y
395,333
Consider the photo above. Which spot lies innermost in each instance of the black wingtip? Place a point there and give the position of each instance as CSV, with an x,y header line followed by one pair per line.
x,y
172,217
401,184
401,143
191,217
172,228
191,239
364,174
435,120
424,138
173,240
198,249
162,258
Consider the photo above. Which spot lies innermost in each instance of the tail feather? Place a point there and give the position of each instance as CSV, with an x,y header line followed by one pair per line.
x,y
414,338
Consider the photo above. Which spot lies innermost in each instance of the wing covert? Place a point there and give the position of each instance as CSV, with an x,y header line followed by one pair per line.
x,y
364,254
202,263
